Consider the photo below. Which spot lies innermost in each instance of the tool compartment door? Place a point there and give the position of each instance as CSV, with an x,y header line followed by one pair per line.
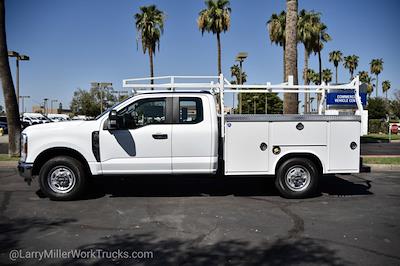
x,y
244,148
341,156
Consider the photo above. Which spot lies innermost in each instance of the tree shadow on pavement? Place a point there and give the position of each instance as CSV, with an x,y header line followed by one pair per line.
x,y
12,231
233,252
176,186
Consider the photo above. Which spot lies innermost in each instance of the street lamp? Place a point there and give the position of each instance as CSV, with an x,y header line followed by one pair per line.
x,y
18,58
51,104
45,105
240,58
101,86
23,98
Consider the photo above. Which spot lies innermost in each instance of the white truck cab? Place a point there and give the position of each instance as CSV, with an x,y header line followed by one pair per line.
x,y
182,132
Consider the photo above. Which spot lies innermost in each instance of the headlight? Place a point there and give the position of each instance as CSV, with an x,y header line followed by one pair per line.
x,y
24,147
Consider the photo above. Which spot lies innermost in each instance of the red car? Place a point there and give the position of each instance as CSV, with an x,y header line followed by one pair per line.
x,y
394,129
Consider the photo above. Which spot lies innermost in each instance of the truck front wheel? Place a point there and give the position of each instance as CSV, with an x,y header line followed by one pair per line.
x,y
62,178
297,178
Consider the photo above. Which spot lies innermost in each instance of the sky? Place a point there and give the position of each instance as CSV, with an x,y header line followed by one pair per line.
x,y
72,43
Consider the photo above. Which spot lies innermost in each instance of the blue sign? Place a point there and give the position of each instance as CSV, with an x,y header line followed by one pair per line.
x,y
344,98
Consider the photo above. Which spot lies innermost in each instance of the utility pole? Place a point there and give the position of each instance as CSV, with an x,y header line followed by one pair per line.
x,y
18,57
22,105
240,58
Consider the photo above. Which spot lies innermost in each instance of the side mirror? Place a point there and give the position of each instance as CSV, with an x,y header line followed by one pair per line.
x,y
112,119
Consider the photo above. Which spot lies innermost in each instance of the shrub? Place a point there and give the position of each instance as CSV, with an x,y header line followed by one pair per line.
x,y
377,126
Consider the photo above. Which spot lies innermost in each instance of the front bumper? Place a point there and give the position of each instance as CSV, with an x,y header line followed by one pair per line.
x,y
25,170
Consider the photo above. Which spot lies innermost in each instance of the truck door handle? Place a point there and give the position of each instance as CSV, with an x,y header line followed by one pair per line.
x,y
160,136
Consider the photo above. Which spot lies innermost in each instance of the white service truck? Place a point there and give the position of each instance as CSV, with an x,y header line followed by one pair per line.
x,y
180,128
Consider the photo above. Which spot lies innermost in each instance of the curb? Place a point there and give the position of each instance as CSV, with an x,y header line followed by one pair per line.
x,y
384,167
8,163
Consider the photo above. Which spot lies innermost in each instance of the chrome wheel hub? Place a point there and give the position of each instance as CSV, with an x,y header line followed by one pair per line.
x,y
297,178
61,179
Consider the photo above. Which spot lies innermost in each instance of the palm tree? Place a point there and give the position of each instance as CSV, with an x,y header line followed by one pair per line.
x,y
327,75
385,87
150,26
235,72
216,19
336,58
307,33
276,28
291,99
323,37
367,79
376,68
351,63
10,99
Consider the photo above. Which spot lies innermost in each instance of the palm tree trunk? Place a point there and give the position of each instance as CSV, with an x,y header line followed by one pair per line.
x,y
376,87
336,73
320,66
290,100
151,65
219,53
14,124
305,77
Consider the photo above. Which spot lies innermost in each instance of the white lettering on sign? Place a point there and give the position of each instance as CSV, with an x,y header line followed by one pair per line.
x,y
345,98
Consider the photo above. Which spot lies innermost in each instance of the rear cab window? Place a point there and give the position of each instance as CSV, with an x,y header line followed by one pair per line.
x,y
190,110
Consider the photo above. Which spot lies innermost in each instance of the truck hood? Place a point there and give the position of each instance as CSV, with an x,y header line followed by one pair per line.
x,y
62,126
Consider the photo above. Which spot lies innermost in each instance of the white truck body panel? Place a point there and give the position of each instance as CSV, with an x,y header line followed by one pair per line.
x,y
328,138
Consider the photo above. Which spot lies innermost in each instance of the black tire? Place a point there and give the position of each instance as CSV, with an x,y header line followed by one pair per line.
x,y
69,167
292,189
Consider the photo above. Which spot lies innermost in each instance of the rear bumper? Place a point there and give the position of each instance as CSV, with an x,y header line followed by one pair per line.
x,y
25,170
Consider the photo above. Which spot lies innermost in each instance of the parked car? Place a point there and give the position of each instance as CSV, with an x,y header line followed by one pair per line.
x,y
4,127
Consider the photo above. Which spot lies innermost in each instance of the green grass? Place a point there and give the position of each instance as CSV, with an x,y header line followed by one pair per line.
x,y
374,138
5,157
381,160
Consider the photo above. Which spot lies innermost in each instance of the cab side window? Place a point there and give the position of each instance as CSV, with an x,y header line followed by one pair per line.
x,y
190,110
142,113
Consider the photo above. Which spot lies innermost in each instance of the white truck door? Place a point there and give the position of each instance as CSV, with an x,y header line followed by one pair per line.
x,y
192,136
142,142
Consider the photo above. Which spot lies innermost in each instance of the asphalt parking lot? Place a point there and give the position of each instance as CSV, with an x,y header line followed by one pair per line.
x,y
207,221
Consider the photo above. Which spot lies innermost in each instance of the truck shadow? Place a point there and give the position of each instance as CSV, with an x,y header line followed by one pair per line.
x,y
180,186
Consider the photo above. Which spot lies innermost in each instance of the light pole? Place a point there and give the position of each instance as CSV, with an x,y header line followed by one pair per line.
x,y
101,86
248,105
18,58
23,98
51,104
45,105
240,58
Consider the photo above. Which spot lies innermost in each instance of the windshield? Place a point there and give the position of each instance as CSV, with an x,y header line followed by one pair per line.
x,y
110,108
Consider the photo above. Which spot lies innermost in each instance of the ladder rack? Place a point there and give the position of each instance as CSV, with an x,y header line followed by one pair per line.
x,y
218,85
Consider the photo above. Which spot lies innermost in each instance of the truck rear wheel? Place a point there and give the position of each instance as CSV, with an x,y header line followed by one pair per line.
x,y
297,178
62,178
